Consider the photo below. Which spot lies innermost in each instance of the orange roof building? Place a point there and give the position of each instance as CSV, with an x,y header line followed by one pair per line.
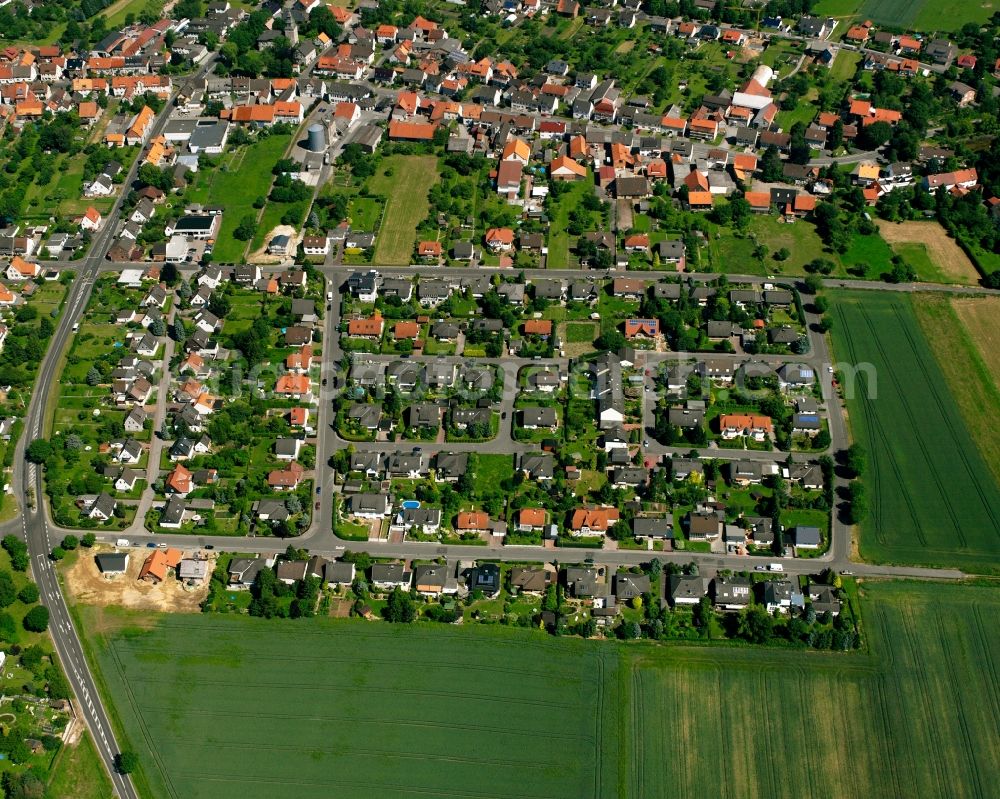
x,y
154,570
563,167
595,520
179,480
516,150
292,385
411,131
700,199
538,327
531,518
755,425
300,361
473,520
371,327
406,330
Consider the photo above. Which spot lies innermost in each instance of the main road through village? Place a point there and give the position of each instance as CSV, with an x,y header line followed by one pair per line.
x,y
41,534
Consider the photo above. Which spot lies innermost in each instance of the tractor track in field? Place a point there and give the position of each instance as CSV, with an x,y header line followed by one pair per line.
x,y
973,476
911,418
963,722
866,410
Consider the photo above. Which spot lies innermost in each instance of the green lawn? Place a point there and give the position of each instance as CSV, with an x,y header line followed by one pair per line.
x,y
932,498
491,470
845,65
116,12
559,238
916,255
365,213
870,252
837,8
580,332
325,707
405,181
241,178
733,255
79,773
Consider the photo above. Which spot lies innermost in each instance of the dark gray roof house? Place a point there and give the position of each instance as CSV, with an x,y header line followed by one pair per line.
x,y
537,465
112,562
451,465
731,593
628,585
686,589
648,527
581,582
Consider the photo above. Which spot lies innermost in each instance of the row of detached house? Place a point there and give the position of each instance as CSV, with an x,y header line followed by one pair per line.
x,y
368,468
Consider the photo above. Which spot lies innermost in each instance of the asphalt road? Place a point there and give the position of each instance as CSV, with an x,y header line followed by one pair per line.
x,y
38,530
41,534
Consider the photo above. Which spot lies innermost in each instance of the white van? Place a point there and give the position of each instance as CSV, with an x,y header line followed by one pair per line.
x,y
121,542
775,567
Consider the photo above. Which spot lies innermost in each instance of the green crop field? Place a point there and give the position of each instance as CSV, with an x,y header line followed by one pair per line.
x,y
916,717
932,498
227,706
405,180
238,707
922,15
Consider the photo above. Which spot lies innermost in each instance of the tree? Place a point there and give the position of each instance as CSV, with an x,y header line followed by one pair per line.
x,y
36,620
58,553
813,283
126,762
56,683
856,460
93,376
612,340
992,280
873,136
17,550
8,591
400,607
755,625
28,594
857,502
169,273
88,540
39,451
246,228
782,254
70,542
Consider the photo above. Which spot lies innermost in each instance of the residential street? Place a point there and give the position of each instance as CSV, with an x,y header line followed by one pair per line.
x,y
320,539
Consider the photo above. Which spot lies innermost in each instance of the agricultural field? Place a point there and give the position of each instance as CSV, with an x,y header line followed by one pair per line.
x,y
922,15
934,255
933,500
493,711
405,181
329,707
965,338
849,726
